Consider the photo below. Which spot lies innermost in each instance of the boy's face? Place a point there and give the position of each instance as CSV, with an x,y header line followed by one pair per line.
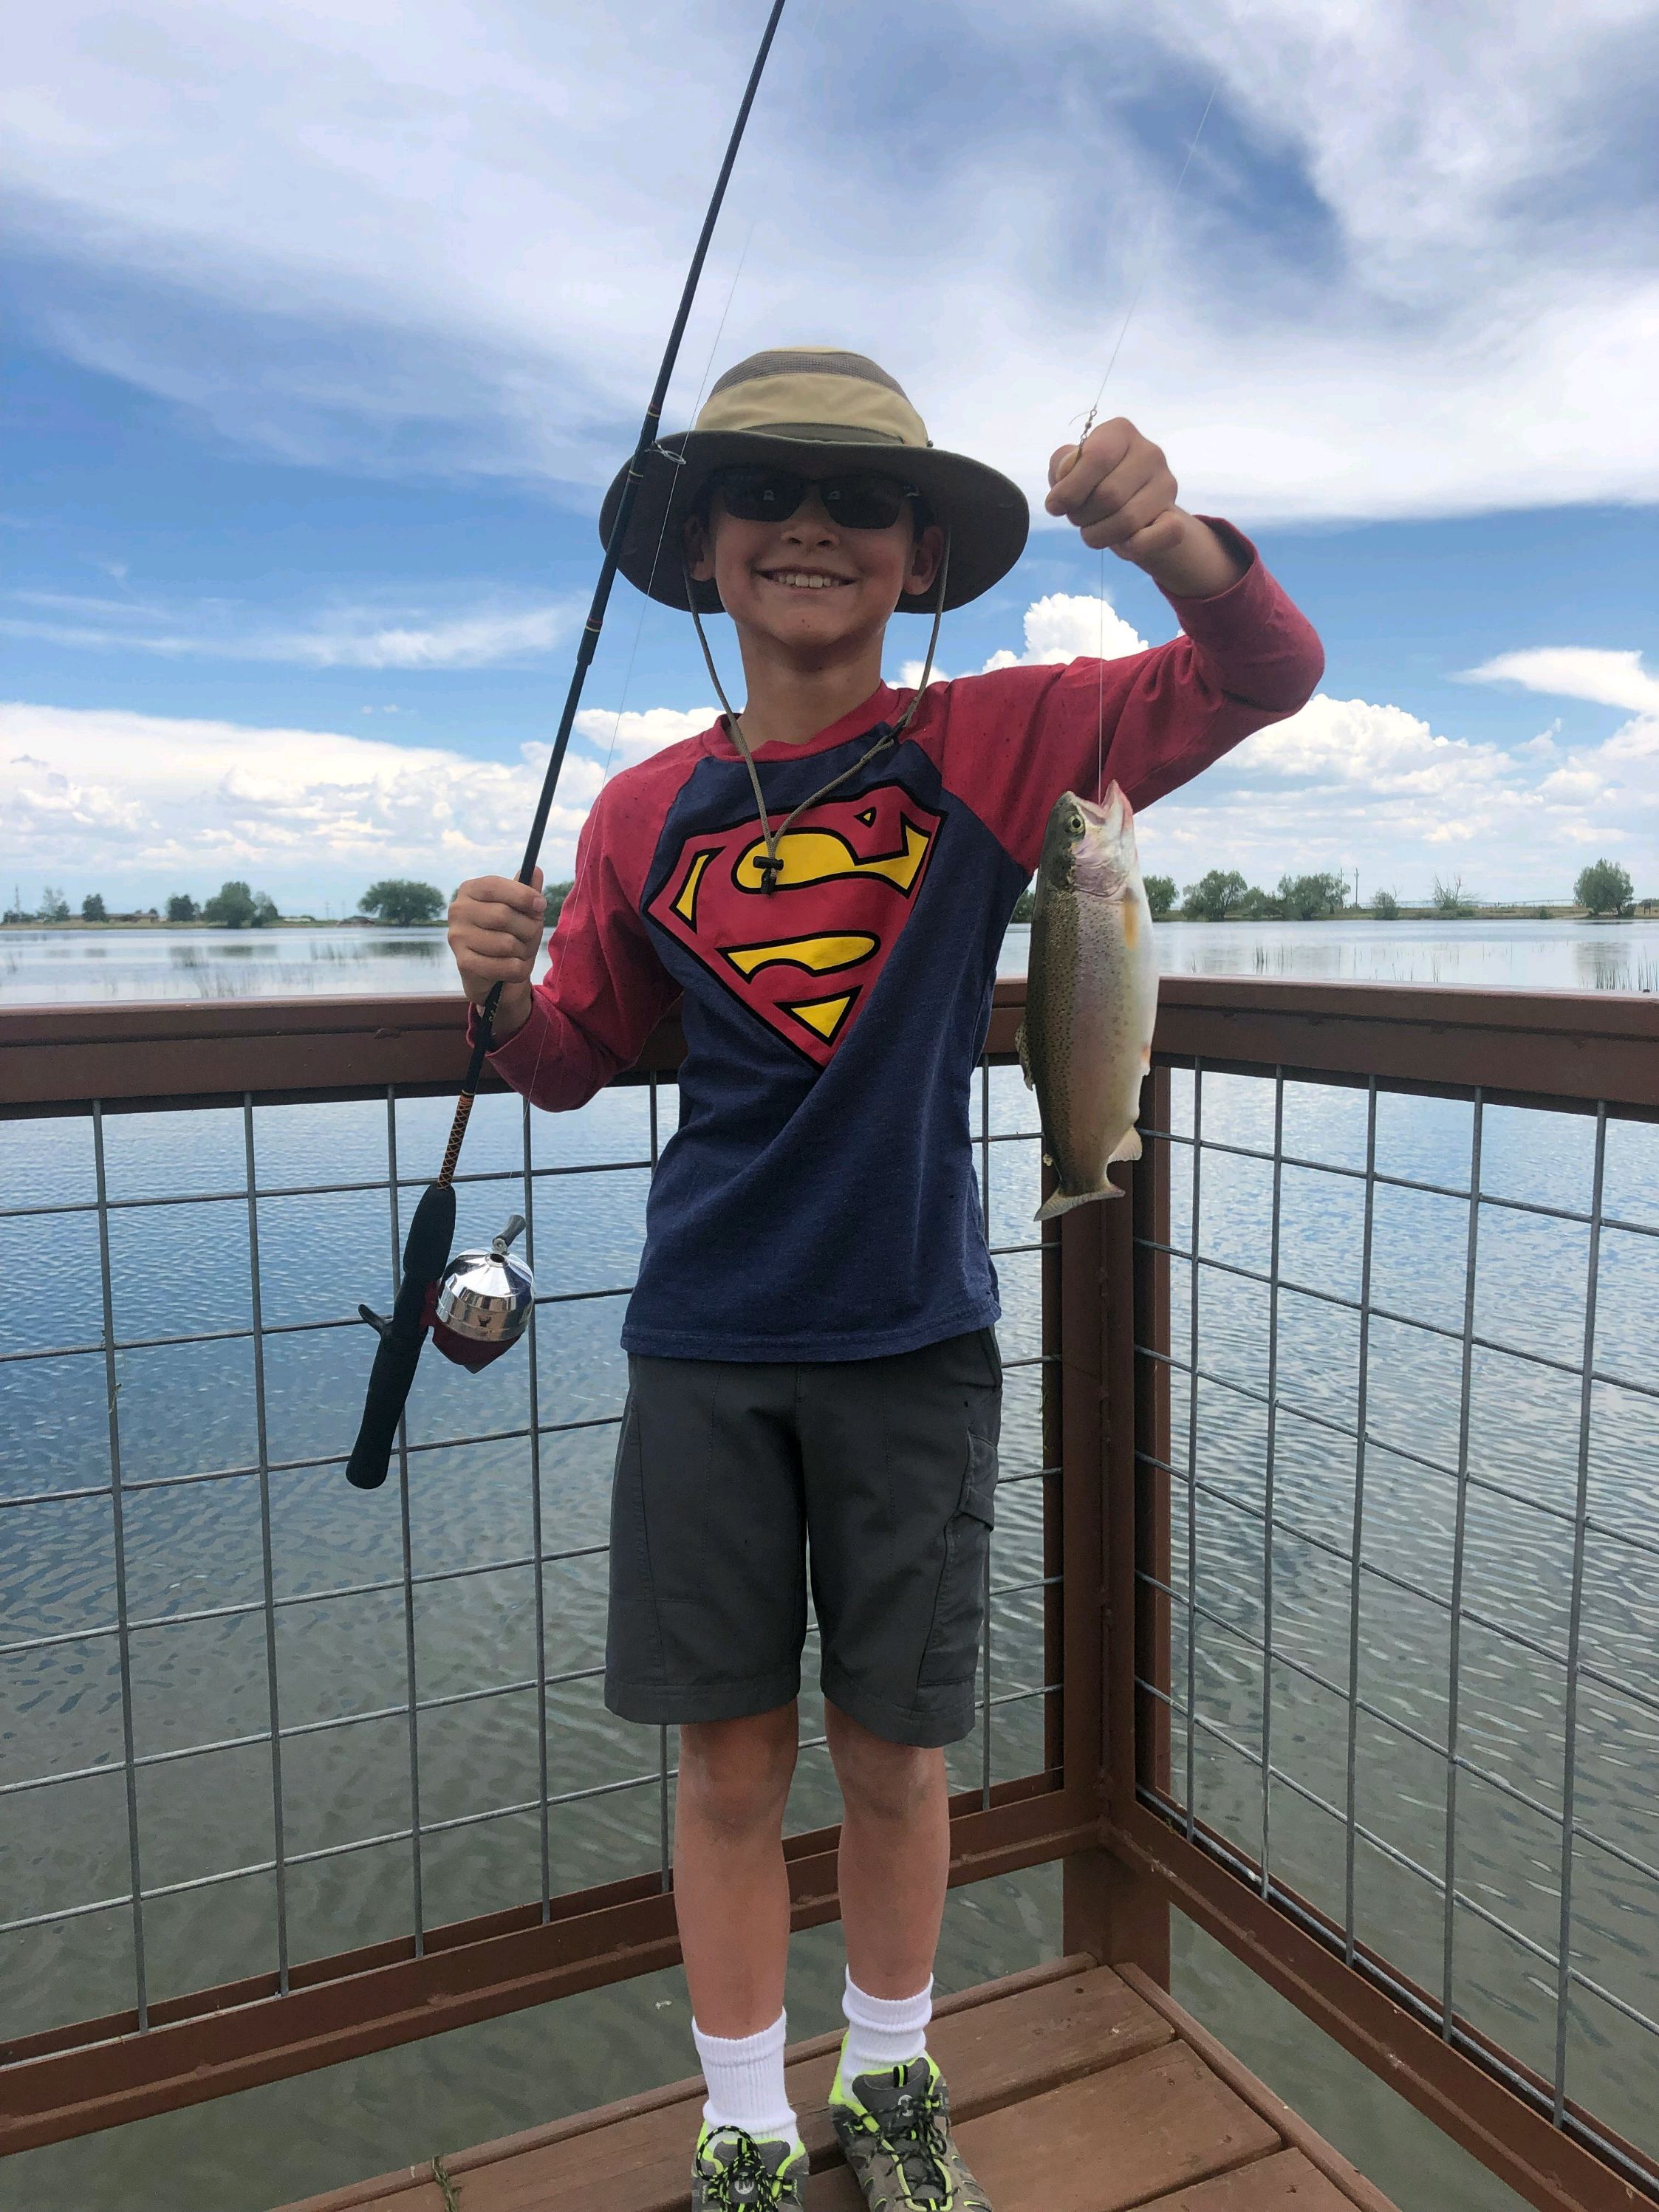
x,y
809,585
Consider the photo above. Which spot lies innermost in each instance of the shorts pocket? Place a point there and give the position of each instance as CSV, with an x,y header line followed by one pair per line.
x,y
952,1645
634,1649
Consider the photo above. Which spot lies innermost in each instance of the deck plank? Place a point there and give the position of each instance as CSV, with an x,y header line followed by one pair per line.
x,y
1352,2185
1286,2182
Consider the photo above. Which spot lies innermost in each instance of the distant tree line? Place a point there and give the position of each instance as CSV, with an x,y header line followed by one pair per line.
x,y
1223,895
401,900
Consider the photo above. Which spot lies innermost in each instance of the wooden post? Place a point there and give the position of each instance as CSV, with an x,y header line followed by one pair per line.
x,y
1108,1909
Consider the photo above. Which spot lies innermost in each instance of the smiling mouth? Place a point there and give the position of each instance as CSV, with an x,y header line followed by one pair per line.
x,y
803,580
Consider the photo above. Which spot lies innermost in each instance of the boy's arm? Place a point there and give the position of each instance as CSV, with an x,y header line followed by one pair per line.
x,y
604,990
1152,720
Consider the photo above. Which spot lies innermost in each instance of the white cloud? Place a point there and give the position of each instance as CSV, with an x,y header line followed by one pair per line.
x,y
1348,781
1071,626
164,803
480,637
634,736
1411,271
1543,747
1064,626
1576,671
1386,750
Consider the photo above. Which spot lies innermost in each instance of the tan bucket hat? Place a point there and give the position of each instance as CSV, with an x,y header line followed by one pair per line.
x,y
815,407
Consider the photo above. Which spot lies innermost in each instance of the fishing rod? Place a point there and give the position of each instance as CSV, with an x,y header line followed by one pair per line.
x,y
480,1306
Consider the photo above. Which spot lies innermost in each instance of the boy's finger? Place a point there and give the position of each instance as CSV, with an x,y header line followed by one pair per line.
x,y
483,924
488,972
1101,453
495,944
506,891
1143,481
1116,530
1060,461
501,894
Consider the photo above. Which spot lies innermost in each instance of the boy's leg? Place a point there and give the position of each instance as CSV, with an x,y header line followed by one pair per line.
x,y
895,1855
731,1887
708,1611
731,1899
899,1461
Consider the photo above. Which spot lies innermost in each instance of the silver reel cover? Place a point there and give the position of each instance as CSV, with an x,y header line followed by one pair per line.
x,y
485,1298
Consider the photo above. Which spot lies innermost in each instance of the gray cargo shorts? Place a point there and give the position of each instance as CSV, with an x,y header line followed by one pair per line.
x,y
735,1478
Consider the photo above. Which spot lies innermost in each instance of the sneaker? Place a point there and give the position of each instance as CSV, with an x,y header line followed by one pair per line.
x,y
735,2174
895,2127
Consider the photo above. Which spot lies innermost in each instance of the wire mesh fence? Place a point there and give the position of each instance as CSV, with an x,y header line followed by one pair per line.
x,y
1412,1552
248,1716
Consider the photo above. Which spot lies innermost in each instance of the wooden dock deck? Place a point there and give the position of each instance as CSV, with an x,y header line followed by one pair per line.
x,y
1076,2088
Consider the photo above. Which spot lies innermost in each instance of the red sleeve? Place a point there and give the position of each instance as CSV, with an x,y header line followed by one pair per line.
x,y
604,990
1014,739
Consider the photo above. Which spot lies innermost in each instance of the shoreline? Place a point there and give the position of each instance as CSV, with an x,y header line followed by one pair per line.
x,y
1534,912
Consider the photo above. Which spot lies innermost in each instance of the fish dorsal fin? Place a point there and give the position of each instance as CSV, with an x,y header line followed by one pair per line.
x,y
1024,1052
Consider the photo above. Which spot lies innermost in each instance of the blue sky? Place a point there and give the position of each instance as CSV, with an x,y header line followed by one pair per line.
x,y
325,340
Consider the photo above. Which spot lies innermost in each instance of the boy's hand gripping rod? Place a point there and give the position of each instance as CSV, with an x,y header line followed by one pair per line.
x,y
426,1249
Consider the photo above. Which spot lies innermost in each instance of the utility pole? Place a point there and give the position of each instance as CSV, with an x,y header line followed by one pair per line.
x,y
1356,886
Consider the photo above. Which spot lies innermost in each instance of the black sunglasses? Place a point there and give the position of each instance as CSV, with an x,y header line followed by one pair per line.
x,y
866,500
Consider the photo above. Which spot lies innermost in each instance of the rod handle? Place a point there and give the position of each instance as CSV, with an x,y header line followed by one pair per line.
x,y
425,1253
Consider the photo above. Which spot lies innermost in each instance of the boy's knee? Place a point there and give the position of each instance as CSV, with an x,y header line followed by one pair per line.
x,y
736,1774
883,1781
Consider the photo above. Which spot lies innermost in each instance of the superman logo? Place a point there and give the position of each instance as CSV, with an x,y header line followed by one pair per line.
x,y
803,956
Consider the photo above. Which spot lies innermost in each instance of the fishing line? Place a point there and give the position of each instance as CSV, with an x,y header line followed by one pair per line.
x,y
1150,256
1088,420
1100,687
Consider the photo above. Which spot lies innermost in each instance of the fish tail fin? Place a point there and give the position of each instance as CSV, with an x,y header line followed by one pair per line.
x,y
1129,1147
1024,1052
1064,1201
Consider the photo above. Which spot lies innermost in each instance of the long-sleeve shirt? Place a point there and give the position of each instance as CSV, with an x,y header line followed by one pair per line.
x,y
818,1201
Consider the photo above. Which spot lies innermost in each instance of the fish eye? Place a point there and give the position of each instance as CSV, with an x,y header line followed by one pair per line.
x,y
1076,825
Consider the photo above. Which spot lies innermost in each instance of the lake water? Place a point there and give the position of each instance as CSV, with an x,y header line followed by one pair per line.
x,y
195,1575
70,967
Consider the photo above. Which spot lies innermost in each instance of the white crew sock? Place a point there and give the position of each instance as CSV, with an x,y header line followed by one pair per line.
x,y
882,2032
744,2074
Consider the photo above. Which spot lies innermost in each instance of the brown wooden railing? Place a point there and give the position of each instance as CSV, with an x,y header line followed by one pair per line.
x,y
1119,1794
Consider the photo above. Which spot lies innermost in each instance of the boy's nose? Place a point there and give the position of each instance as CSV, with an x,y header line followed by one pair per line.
x,y
812,519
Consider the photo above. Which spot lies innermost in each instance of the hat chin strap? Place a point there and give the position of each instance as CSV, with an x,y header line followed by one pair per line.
x,y
771,866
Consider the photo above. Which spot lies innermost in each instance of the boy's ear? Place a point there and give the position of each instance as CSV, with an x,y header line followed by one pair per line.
x,y
699,548
926,553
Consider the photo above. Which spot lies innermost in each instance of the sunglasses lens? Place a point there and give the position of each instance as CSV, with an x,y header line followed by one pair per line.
x,y
761,494
864,502
870,502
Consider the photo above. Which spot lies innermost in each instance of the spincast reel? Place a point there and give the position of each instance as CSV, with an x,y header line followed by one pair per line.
x,y
479,1306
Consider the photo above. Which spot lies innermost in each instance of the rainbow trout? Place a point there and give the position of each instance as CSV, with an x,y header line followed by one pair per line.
x,y
1091,996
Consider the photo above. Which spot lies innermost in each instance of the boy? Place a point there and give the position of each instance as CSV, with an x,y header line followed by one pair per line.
x,y
824,882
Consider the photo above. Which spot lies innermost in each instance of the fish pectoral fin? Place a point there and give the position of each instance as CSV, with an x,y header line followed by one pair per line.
x,y
1024,1052
1129,1147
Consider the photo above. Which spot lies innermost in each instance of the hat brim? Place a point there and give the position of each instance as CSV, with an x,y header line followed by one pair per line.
x,y
984,511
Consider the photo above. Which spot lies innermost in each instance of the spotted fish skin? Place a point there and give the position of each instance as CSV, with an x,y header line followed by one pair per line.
x,y
1091,998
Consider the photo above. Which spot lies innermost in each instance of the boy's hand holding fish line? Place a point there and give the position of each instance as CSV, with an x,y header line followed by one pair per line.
x,y
1117,488
822,882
